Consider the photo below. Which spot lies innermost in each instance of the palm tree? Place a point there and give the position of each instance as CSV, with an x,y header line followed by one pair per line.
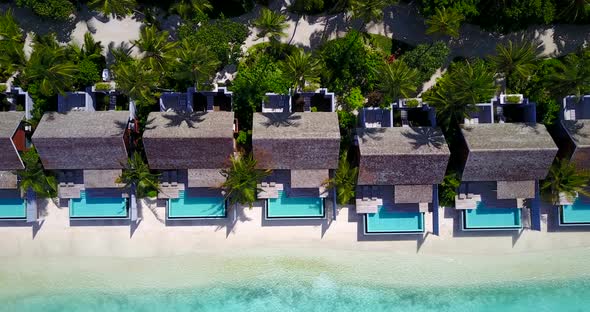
x,y
12,56
117,8
242,178
572,76
137,175
33,177
517,59
51,68
564,179
9,29
135,80
195,62
90,50
398,80
271,24
344,180
450,110
369,10
473,82
188,8
301,67
155,47
444,22
575,10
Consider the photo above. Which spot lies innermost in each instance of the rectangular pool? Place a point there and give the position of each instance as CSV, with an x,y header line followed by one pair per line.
x,y
386,221
484,218
13,209
295,207
196,207
576,214
98,207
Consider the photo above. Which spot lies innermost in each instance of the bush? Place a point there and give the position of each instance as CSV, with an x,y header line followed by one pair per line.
x,y
536,91
412,103
3,87
54,9
103,86
353,100
513,99
88,73
307,6
448,190
349,63
223,37
427,59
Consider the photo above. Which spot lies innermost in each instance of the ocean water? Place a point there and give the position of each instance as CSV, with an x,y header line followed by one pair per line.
x,y
322,294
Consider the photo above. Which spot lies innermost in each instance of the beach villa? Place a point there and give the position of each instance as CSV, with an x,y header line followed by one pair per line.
x,y
192,100
574,144
302,149
403,157
189,150
505,153
88,150
13,141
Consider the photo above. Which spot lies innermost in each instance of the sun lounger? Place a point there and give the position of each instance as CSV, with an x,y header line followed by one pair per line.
x,y
272,184
264,184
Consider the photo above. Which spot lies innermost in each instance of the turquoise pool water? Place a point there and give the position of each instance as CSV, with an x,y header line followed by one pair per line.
x,y
295,207
98,207
492,218
12,208
320,295
196,207
577,213
385,221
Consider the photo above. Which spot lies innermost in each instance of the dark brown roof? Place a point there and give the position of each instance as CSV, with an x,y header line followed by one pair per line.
x,y
82,140
296,140
9,157
507,152
579,134
175,140
402,155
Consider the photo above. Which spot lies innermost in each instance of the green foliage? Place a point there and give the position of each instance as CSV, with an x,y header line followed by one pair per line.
x,y
473,81
53,9
344,180
353,100
12,57
223,37
190,8
244,138
427,59
103,86
397,80
382,43
517,61
369,10
34,177
444,22
88,73
572,76
194,63
242,178
256,76
301,68
513,99
307,6
137,175
412,103
349,63
3,87
566,180
117,8
467,8
346,119
448,189
271,24
156,48
136,80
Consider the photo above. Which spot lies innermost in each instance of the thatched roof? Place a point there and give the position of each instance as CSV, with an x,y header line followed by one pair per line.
x,y
507,152
210,178
101,178
296,140
411,194
402,155
579,133
175,140
9,123
82,140
309,178
8,180
515,189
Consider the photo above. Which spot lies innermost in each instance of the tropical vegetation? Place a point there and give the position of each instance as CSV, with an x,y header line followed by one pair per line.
x,y
565,180
344,180
34,178
242,179
137,176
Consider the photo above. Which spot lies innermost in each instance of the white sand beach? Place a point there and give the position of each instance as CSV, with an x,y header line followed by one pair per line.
x,y
57,255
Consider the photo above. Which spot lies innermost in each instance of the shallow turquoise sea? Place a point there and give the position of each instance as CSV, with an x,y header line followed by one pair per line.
x,y
320,295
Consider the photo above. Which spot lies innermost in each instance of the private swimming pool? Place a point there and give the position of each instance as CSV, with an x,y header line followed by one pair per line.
x,y
576,214
98,207
484,218
196,207
12,209
386,221
295,207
